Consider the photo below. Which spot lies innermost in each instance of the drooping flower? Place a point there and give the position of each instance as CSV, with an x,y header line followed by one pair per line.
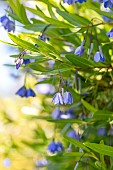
x,y
58,99
110,33
22,91
52,147
43,37
42,162
68,1
19,62
102,131
59,147
4,20
108,3
80,50
67,98
30,93
55,147
73,134
8,24
99,56
73,1
107,19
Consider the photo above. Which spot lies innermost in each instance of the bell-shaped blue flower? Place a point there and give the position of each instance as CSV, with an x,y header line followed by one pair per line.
x,y
102,131
30,93
80,50
43,37
7,23
73,134
26,61
10,26
22,91
55,147
58,99
59,147
52,147
67,98
19,62
4,20
108,3
110,33
99,56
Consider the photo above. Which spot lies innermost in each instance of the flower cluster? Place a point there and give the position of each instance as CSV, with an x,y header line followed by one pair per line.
x,y
8,24
24,92
55,147
98,57
66,98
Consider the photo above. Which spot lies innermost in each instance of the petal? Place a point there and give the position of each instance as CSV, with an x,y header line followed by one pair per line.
x,y
97,56
77,51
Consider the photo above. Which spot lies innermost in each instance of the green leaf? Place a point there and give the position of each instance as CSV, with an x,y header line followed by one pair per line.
x,y
52,21
88,106
74,19
103,114
82,62
102,158
22,43
77,143
100,148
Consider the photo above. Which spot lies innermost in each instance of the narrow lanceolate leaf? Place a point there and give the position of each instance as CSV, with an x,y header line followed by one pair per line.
x,y
103,114
100,148
77,143
88,106
52,21
74,19
23,44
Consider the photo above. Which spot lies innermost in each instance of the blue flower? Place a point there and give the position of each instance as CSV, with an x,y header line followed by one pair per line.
x,y
108,3
26,61
102,131
57,99
73,1
22,91
80,50
7,23
110,33
30,93
67,98
4,20
107,19
10,26
73,134
52,147
43,37
99,56
55,147
19,62
59,147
